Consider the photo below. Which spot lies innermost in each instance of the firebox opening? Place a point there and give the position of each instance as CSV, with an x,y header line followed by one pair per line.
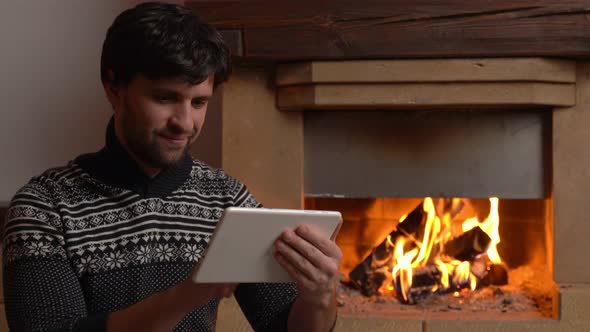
x,y
374,280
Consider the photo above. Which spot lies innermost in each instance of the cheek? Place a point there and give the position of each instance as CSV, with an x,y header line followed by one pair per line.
x,y
152,116
199,119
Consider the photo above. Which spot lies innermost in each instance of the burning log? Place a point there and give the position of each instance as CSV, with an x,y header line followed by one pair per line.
x,y
468,245
488,273
372,272
425,281
479,267
496,275
431,279
370,275
413,224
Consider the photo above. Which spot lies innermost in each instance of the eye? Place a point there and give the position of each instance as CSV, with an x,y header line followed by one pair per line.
x,y
198,103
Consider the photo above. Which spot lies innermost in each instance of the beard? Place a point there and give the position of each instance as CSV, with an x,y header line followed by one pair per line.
x,y
149,147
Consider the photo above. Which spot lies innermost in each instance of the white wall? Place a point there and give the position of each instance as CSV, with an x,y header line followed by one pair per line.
x,y
52,106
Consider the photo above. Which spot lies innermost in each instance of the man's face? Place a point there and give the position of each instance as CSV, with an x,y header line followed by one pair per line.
x,y
158,120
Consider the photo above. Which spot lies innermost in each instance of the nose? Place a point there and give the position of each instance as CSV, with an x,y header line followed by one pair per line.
x,y
181,118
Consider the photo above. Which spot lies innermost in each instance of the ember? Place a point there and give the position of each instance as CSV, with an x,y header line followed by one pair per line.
x,y
434,250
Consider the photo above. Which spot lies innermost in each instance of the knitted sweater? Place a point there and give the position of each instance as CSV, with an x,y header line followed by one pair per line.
x,y
97,236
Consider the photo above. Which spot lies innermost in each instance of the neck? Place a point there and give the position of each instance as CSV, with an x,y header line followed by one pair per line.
x,y
149,171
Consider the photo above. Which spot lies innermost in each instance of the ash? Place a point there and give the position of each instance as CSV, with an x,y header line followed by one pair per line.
x,y
528,295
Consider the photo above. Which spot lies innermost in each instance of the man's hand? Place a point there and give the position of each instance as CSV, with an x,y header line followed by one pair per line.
x,y
312,260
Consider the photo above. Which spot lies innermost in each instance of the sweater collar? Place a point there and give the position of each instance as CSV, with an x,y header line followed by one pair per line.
x,y
115,166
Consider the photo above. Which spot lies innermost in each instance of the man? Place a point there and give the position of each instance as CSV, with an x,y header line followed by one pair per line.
x,y
108,241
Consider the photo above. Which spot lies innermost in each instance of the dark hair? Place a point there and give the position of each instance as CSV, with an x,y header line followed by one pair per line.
x,y
160,40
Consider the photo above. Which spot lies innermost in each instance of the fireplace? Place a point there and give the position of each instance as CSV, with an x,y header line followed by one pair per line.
x,y
510,78
505,127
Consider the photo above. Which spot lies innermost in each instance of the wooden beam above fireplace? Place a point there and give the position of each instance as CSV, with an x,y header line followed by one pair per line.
x,y
376,29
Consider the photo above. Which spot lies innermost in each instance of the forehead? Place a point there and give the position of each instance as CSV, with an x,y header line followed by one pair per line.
x,y
176,85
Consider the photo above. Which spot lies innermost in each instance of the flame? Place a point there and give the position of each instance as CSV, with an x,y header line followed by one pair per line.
x,y
431,231
437,232
462,275
403,266
444,280
490,227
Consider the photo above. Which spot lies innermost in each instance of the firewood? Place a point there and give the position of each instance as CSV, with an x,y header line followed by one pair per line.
x,y
369,275
479,266
468,245
488,273
497,274
414,223
424,280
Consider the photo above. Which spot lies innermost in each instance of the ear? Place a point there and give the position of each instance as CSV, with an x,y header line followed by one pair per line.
x,y
112,90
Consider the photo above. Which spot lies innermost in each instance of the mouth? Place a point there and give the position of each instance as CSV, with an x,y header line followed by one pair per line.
x,y
173,140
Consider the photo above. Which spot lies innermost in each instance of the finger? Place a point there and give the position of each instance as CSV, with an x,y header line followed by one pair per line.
x,y
307,250
294,272
303,265
322,243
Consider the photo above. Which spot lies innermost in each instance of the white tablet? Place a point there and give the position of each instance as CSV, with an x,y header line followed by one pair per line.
x,y
241,248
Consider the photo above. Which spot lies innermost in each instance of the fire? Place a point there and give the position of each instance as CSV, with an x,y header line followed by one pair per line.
x,y
490,226
413,255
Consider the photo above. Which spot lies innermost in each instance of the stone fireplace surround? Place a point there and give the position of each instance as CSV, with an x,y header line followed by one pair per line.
x,y
260,116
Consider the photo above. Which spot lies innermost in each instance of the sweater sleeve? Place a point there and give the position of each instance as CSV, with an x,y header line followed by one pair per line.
x,y
41,289
266,306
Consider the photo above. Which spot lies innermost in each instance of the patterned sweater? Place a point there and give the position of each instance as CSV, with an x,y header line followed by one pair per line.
x,y
97,236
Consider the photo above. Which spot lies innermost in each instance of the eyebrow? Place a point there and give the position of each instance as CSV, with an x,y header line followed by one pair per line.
x,y
175,93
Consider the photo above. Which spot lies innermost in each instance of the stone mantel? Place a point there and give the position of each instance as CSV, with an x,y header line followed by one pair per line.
x,y
426,84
